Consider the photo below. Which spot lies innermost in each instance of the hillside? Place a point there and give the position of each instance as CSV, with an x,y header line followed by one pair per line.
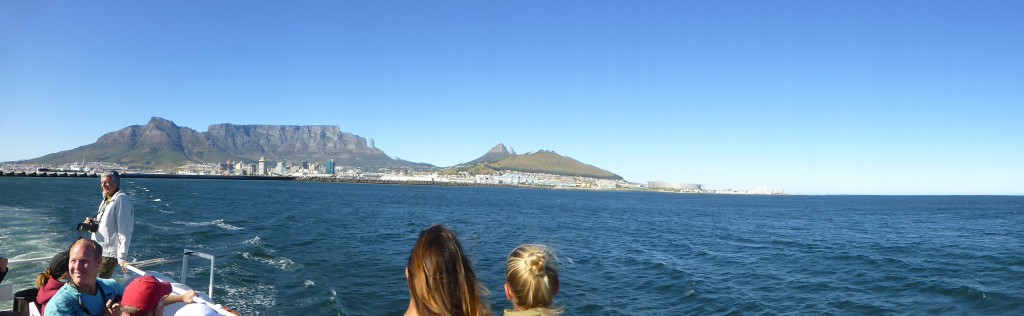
x,y
498,152
539,162
163,144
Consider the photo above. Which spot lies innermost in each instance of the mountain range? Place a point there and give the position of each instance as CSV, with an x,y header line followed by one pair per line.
x,y
163,144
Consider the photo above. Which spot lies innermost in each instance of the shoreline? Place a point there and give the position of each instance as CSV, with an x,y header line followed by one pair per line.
x,y
76,174
63,174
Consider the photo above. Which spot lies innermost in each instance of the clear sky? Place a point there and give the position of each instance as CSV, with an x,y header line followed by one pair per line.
x,y
814,97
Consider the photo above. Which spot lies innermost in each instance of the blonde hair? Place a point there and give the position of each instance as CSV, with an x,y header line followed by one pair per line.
x,y
441,278
97,249
44,278
532,276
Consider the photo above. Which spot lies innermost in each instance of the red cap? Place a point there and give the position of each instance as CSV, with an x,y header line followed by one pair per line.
x,y
145,293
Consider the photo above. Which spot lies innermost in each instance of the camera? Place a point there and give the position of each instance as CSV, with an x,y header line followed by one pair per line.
x,y
88,227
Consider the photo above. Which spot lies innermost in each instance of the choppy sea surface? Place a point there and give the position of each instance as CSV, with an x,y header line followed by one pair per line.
x,y
290,248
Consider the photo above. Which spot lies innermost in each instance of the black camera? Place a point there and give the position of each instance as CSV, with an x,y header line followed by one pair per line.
x,y
87,227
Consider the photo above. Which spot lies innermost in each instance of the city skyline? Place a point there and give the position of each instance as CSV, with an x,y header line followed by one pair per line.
x,y
868,97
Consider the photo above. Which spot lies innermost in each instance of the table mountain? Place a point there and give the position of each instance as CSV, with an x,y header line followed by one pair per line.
x,y
163,144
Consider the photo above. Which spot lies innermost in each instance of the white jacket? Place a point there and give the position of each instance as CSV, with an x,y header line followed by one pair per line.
x,y
117,220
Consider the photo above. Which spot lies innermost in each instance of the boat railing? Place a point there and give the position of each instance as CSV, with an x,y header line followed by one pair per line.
x,y
184,266
7,289
135,268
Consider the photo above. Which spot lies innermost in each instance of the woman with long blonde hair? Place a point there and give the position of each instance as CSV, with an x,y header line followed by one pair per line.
x,y
531,281
441,278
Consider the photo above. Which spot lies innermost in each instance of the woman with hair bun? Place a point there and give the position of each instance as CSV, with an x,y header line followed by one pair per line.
x,y
441,278
531,281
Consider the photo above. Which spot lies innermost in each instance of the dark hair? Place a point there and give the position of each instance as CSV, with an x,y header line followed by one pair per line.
x,y
57,269
441,278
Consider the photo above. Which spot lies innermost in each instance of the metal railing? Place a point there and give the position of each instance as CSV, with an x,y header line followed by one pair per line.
x,y
184,266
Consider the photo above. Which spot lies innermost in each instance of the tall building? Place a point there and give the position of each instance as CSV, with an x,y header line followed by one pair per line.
x,y
262,169
330,167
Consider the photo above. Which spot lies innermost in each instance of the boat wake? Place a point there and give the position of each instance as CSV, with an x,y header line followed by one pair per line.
x,y
219,223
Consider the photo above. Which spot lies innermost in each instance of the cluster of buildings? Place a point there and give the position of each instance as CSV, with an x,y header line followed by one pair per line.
x,y
260,168
697,188
329,170
514,179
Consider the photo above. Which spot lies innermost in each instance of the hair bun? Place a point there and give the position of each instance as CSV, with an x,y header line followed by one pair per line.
x,y
535,261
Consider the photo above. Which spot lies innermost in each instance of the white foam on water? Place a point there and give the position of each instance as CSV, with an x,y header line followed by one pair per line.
x,y
282,263
256,297
308,283
155,226
254,241
27,233
163,211
219,223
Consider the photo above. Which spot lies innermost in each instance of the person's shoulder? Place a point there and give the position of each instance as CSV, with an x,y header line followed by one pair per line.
x,y
120,195
62,302
111,285
65,290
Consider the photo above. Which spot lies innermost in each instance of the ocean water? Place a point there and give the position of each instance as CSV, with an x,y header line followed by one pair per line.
x,y
292,248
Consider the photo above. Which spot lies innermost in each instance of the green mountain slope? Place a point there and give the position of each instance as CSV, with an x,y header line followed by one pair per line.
x,y
539,162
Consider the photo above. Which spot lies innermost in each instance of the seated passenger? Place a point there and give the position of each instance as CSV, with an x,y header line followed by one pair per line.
x,y
86,294
3,268
531,281
441,279
148,296
51,280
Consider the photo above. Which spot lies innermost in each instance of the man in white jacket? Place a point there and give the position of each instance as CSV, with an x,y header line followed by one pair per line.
x,y
116,220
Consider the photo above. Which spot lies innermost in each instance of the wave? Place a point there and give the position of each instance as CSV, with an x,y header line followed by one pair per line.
x,y
255,297
282,263
254,241
219,223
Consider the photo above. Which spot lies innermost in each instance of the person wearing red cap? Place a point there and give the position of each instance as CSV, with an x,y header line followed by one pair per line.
x,y
147,296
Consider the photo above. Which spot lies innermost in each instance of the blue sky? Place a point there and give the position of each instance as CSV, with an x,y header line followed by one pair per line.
x,y
814,97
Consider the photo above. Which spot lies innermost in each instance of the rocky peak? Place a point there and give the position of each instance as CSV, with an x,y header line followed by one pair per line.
x,y
161,123
498,149
496,153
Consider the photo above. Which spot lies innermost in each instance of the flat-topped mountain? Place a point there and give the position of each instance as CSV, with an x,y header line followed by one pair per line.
x,y
161,143
498,159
